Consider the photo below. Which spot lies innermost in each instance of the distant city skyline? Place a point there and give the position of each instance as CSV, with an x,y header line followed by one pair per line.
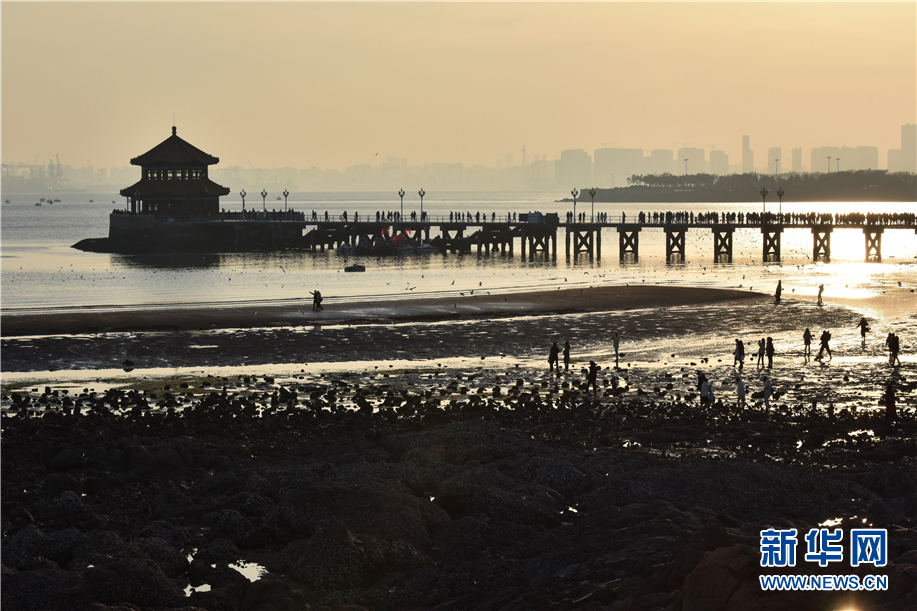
x,y
338,85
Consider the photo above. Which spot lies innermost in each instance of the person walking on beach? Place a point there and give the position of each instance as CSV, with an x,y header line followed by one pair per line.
x,y
740,393
821,289
616,341
824,339
566,356
894,346
889,400
768,391
779,292
705,393
761,346
739,354
593,377
316,301
807,341
769,351
552,358
864,327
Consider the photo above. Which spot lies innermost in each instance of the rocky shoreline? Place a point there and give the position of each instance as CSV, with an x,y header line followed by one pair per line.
x,y
438,491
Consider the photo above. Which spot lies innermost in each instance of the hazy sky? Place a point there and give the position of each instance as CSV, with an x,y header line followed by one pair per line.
x,y
335,84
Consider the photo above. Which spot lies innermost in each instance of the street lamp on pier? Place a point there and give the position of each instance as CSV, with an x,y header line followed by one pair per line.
x,y
838,163
780,194
263,199
242,193
401,193
764,193
574,193
421,193
285,194
592,193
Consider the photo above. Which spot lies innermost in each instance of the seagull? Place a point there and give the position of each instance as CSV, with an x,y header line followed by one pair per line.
x,y
281,269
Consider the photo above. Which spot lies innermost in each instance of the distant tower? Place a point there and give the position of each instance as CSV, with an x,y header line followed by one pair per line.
x,y
797,159
748,156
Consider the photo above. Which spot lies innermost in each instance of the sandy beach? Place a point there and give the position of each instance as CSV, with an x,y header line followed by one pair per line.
x,y
449,469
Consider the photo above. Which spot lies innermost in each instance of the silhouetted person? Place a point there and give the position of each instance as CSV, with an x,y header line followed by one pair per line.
x,y
824,339
761,346
864,327
894,345
821,289
566,356
705,392
552,357
739,354
616,341
889,400
740,393
768,391
592,378
769,351
779,292
807,344
317,301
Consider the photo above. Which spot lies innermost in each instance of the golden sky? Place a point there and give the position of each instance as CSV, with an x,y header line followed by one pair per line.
x,y
335,84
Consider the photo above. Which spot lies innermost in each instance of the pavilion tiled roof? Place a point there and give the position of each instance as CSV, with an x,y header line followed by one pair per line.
x,y
174,152
174,188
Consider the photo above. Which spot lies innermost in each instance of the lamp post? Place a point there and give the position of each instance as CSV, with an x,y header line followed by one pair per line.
x,y
285,193
780,195
764,193
592,194
242,193
838,163
401,193
263,199
421,193
574,193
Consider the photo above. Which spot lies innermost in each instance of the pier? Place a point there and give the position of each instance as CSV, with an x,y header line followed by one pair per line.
x,y
535,234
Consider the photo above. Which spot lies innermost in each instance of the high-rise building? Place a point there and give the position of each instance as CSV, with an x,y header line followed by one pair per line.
x,y
797,160
905,158
775,160
692,160
573,169
748,156
509,160
719,163
614,166
660,161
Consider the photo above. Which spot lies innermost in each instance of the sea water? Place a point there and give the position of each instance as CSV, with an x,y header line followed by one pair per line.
x,y
40,271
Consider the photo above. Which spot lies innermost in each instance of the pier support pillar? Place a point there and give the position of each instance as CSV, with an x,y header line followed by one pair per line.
x,y
539,240
771,251
873,242
675,243
586,238
722,243
821,243
628,242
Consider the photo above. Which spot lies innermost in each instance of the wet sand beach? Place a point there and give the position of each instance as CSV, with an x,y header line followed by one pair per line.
x,y
402,456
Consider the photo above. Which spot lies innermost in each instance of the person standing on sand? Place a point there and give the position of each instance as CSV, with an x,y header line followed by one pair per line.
x,y
566,356
889,399
779,292
705,393
739,354
824,339
740,393
616,341
592,378
821,289
894,346
768,390
769,351
864,327
316,301
807,341
761,346
552,358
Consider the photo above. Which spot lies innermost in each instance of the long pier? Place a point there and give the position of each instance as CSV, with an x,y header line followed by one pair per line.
x,y
585,237
536,233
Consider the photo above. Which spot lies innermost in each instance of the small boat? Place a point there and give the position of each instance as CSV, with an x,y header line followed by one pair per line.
x,y
58,201
356,267
90,201
6,201
37,203
423,249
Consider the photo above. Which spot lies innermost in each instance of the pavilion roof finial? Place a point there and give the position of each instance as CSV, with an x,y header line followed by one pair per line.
x,y
173,130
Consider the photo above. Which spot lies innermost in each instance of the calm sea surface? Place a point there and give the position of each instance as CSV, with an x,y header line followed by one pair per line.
x,y
41,272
